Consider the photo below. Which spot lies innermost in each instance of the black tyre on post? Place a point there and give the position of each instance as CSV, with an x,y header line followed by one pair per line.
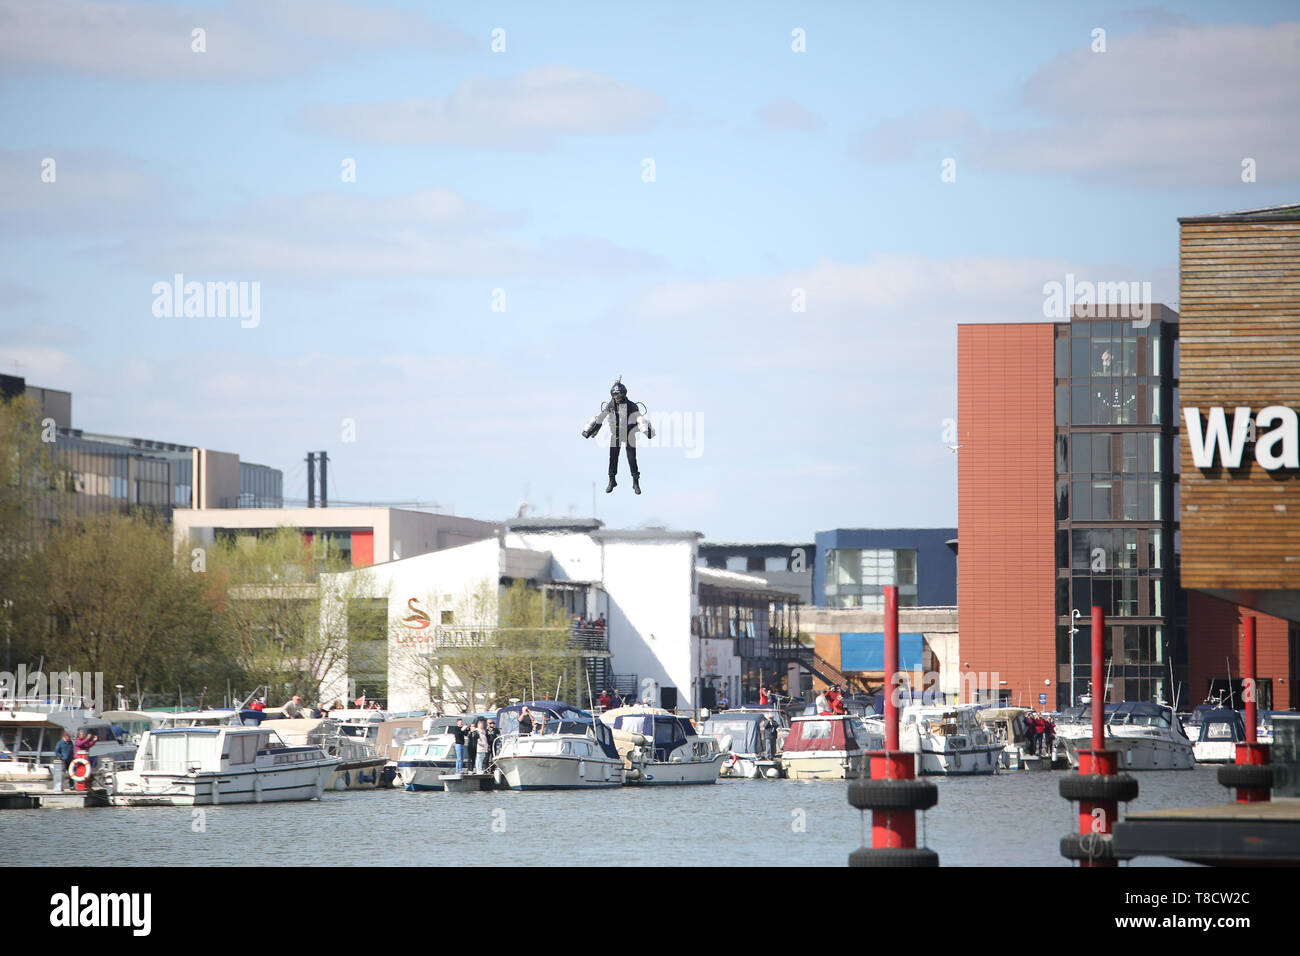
x,y
893,857
893,794
1090,847
1096,788
1248,775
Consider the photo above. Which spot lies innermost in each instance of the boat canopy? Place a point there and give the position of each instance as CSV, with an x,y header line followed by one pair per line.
x,y
1220,725
741,728
821,733
668,730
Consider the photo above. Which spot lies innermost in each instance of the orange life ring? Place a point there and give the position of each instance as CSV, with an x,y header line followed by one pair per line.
x,y
82,764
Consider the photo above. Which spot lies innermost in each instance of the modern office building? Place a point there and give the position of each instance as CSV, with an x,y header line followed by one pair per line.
x,y
853,565
1240,462
115,473
1068,497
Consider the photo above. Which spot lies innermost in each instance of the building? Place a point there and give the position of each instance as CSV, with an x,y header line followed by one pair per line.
x,y
850,648
786,565
1068,497
363,536
672,634
114,473
853,565
1240,482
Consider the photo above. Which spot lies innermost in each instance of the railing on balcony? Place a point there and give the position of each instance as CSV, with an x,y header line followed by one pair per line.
x,y
583,639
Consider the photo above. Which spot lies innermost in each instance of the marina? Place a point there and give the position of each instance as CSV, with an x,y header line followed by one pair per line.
x,y
736,822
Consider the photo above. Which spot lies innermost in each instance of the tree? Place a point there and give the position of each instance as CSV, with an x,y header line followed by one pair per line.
x,y
271,609
105,595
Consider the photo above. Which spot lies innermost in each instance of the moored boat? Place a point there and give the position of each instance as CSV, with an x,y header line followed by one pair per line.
x,y
744,753
824,747
662,748
1146,736
948,739
1217,737
425,760
568,749
195,766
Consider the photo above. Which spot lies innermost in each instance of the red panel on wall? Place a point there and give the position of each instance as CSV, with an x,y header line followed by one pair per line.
x,y
363,548
1215,641
1006,516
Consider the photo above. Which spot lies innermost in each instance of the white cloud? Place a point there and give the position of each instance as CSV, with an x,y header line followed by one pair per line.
x,y
784,115
1174,104
527,112
244,39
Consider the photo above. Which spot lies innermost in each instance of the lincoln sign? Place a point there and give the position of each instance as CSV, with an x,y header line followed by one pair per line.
x,y
1275,432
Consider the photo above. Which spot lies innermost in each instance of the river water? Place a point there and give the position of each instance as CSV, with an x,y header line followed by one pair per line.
x,y
1007,819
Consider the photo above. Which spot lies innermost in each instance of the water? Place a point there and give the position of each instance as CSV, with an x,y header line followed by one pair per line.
x,y
1007,819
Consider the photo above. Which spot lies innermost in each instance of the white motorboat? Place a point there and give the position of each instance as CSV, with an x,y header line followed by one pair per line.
x,y
1146,736
948,739
660,748
744,752
362,765
193,766
568,749
824,747
1009,725
425,760
1217,737
30,729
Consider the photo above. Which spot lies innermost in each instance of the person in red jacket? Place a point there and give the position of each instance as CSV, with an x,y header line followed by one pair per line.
x,y
762,697
835,699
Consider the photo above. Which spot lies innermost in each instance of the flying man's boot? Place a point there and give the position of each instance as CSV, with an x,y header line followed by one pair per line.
x,y
612,485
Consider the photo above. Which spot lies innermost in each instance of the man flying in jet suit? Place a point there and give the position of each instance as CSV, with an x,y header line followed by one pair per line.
x,y
625,420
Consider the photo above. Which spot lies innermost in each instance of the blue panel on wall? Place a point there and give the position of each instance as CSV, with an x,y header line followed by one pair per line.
x,y
866,652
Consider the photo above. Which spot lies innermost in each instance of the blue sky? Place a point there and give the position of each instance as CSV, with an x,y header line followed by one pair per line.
x,y
522,171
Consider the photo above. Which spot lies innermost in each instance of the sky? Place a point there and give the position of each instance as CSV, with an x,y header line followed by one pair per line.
x,y
462,222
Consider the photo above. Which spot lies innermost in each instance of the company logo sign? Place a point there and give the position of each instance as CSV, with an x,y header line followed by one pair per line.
x,y
1274,431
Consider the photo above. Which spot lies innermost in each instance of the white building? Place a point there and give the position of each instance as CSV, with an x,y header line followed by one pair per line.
x,y
643,581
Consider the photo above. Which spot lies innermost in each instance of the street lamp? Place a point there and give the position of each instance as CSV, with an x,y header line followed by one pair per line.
x,y
1074,616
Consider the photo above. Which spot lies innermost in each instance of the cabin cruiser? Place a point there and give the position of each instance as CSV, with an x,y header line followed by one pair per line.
x,y
1217,736
362,766
1146,736
1010,726
659,747
193,766
425,760
568,749
824,747
30,729
948,739
387,732
744,754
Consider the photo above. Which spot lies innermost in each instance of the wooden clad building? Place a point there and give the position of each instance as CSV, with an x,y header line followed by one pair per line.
x,y
1240,344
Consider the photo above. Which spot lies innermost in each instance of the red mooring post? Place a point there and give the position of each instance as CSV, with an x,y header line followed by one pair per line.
x,y
1099,787
1252,752
892,828
892,793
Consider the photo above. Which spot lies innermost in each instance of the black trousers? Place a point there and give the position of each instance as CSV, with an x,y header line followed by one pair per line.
x,y
631,461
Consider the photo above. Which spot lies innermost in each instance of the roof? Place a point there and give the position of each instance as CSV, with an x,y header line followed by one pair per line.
x,y
736,581
646,534
1287,211
553,524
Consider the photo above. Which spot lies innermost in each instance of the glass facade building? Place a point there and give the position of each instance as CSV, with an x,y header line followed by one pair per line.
x,y
1116,504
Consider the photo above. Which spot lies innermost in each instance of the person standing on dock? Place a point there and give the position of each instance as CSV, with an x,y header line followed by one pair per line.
x,y
460,732
471,745
492,735
483,746
65,751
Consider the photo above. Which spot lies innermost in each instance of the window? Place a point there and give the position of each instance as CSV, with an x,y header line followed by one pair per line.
x,y
1062,500
906,561
1101,501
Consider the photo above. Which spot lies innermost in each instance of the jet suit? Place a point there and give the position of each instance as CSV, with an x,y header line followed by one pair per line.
x,y
625,420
